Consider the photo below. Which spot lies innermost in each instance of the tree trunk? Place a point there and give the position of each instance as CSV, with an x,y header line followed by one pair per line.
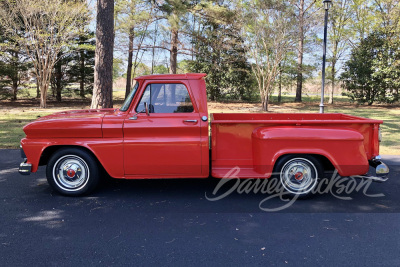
x,y
153,49
300,52
129,69
265,102
333,82
174,51
102,90
43,94
14,76
58,76
14,89
44,82
82,74
280,84
53,90
37,88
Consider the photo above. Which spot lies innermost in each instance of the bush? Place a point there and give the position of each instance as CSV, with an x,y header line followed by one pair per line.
x,y
372,74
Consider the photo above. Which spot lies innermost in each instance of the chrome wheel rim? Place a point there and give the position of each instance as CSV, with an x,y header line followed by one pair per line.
x,y
71,173
299,176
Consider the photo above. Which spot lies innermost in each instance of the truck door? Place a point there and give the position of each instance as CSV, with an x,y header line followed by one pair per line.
x,y
166,142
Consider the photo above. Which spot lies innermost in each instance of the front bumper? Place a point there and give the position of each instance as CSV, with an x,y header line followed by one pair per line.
x,y
24,168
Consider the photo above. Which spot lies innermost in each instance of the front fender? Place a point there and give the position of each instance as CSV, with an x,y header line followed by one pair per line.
x,y
343,147
109,152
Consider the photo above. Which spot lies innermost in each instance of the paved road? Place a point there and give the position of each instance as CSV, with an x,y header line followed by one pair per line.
x,y
171,222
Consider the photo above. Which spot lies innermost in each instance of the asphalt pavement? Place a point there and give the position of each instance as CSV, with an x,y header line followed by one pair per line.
x,y
172,223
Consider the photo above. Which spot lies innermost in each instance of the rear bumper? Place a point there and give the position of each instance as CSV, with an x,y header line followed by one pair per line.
x,y
381,170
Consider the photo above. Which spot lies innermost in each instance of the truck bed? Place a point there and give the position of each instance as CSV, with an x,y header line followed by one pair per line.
x,y
247,140
288,118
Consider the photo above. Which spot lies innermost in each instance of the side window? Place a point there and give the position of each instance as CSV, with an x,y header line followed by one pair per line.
x,y
166,98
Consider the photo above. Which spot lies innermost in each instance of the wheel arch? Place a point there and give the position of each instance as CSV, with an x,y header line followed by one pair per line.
x,y
50,150
323,159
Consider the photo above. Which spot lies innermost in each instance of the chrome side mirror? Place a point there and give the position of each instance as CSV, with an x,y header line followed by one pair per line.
x,y
146,108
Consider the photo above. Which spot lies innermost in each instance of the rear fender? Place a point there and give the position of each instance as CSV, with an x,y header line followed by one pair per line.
x,y
344,148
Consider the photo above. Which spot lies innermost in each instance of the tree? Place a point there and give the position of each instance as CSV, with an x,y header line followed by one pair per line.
x,y
387,13
132,19
49,27
174,11
103,72
288,72
160,69
143,69
75,66
84,57
220,52
340,34
57,77
270,37
117,68
363,19
80,63
372,74
369,20
304,15
14,65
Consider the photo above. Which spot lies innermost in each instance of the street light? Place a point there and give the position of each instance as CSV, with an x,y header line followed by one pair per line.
x,y
327,5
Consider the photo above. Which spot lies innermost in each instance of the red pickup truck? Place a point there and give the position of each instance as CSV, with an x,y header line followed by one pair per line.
x,y
162,131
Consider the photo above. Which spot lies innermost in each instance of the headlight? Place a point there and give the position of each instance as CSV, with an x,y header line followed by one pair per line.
x,y
380,135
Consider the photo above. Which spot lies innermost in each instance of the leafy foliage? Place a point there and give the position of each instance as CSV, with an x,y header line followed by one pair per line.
x,y
81,65
220,52
14,64
49,26
372,74
271,36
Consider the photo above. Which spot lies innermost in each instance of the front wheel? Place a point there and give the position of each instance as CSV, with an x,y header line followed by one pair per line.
x,y
72,172
299,174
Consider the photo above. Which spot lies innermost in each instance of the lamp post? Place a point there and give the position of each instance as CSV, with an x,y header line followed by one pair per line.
x,y
327,5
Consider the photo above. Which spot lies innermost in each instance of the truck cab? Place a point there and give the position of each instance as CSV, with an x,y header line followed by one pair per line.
x,y
166,123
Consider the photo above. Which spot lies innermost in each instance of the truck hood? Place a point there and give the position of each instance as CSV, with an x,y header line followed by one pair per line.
x,y
73,123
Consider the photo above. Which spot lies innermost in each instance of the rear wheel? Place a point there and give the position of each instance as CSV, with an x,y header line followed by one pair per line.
x,y
299,174
72,172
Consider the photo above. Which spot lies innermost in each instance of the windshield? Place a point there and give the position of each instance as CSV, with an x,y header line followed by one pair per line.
x,y
128,100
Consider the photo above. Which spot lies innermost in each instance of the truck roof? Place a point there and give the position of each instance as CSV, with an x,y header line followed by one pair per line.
x,y
186,76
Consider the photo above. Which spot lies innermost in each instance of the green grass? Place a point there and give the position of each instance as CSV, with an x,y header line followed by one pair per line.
x,y
308,99
11,126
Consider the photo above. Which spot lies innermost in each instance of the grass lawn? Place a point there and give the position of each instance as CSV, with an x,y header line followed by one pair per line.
x,y
14,115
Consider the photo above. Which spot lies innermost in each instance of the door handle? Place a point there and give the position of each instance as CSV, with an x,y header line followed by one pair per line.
x,y
190,121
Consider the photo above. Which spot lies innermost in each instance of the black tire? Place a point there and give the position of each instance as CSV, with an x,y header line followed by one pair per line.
x,y
299,184
72,172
